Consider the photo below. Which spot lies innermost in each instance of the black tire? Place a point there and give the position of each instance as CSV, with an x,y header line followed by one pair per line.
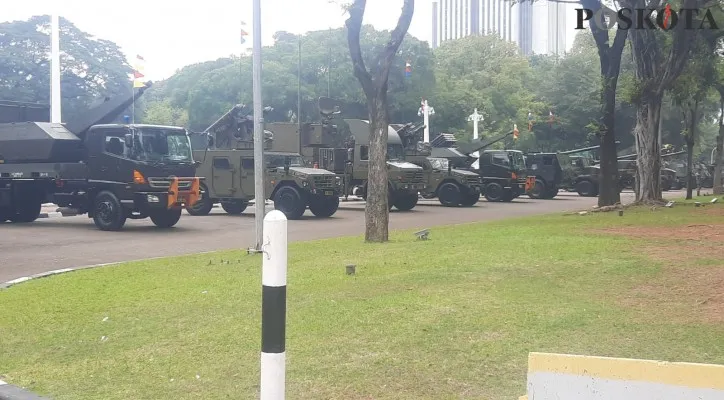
x,y
235,207
406,201
289,201
324,206
666,185
470,199
165,218
390,196
539,190
449,194
494,192
6,213
508,195
551,193
586,188
27,211
204,205
108,213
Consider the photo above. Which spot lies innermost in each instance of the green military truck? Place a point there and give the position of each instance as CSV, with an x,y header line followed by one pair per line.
x,y
226,152
343,147
452,186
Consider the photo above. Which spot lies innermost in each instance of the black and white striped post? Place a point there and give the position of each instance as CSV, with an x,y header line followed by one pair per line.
x,y
273,306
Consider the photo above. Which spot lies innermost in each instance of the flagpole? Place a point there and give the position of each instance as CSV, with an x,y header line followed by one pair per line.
x,y
299,92
259,198
55,114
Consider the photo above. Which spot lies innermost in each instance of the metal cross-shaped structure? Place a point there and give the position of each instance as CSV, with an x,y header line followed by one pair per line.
x,y
475,118
426,111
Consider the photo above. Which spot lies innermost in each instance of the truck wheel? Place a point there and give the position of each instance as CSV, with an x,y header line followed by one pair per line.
x,y
166,218
204,205
324,206
470,199
108,213
586,188
508,195
5,214
406,201
494,192
449,194
538,191
551,193
235,207
288,200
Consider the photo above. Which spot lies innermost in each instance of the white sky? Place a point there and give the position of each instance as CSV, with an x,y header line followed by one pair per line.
x,y
172,34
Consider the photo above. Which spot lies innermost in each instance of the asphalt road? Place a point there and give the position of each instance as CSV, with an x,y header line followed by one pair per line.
x,y
68,242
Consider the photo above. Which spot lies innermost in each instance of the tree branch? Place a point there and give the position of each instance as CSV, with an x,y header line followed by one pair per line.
x,y
354,28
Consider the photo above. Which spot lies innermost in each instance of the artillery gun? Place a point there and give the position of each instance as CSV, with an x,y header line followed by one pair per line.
x,y
342,146
91,165
669,176
452,186
226,149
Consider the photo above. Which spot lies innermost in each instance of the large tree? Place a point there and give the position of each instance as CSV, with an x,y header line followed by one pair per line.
x,y
610,47
374,83
91,68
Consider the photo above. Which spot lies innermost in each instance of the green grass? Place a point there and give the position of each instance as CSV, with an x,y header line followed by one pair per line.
x,y
451,317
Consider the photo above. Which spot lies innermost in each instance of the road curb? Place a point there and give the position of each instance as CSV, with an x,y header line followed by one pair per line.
x,y
12,392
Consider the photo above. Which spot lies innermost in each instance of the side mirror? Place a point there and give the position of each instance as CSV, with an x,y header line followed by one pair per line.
x,y
286,164
350,154
197,164
210,141
128,139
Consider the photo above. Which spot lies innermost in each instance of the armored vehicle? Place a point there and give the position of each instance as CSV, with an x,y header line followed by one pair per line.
x,y
669,176
110,171
452,186
343,148
226,152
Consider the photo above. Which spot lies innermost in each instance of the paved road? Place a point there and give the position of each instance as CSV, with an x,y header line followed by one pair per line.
x,y
55,243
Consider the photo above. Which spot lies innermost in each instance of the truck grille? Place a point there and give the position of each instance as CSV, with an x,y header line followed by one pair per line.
x,y
165,183
472,180
414,177
324,181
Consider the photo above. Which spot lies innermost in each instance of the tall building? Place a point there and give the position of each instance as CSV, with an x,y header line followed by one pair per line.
x,y
512,21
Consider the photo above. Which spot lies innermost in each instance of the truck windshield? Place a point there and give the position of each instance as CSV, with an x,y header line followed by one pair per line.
x,y
518,160
439,164
395,152
277,160
158,144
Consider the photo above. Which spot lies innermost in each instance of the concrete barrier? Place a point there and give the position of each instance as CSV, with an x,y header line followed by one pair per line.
x,y
576,377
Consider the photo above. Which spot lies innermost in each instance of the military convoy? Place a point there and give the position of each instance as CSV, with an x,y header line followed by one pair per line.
x,y
226,154
110,171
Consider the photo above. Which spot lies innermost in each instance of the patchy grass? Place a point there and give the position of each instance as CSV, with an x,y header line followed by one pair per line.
x,y
451,317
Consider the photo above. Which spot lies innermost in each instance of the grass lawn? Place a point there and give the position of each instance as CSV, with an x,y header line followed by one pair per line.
x,y
451,317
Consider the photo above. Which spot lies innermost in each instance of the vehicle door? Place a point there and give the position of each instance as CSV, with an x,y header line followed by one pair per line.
x,y
222,174
107,156
361,164
246,176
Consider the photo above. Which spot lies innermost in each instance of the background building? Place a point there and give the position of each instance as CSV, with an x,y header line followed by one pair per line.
x,y
545,33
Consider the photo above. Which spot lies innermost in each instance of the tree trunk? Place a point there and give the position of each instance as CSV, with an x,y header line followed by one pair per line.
x,y
689,168
377,208
648,171
718,189
609,193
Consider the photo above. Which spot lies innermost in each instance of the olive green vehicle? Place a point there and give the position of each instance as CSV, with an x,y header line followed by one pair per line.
x,y
343,148
669,176
452,186
226,152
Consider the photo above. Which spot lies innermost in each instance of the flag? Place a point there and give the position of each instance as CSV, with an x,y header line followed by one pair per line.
x,y
530,121
408,69
551,118
243,32
138,74
515,132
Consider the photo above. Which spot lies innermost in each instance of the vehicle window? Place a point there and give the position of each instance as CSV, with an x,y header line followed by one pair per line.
x,y
247,163
501,159
115,145
364,153
221,163
547,161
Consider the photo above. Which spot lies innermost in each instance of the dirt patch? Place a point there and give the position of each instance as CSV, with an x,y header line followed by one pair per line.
x,y
684,291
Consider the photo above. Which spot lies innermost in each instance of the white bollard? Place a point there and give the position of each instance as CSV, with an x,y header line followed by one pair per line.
x,y
273,306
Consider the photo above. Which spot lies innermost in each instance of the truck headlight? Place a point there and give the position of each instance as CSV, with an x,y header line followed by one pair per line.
x,y
338,180
305,183
152,198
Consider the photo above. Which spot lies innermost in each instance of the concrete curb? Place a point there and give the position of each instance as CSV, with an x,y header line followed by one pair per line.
x,y
11,392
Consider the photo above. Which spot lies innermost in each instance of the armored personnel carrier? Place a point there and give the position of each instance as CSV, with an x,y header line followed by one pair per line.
x,y
110,171
325,145
452,186
226,152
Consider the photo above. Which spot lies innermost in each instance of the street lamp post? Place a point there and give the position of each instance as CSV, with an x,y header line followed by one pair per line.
x,y
475,118
259,198
426,111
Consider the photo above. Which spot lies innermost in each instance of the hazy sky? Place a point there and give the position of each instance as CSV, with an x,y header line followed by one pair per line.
x,y
170,35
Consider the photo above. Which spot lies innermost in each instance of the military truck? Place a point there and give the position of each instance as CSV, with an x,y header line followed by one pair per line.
x,y
343,148
226,152
669,176
110,171
452,186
